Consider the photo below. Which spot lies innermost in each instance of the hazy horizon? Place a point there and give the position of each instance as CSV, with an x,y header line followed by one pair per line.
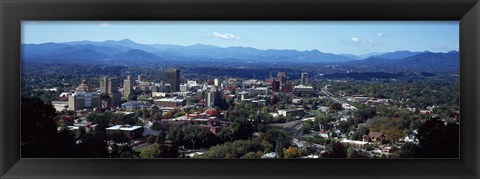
x,y
357,55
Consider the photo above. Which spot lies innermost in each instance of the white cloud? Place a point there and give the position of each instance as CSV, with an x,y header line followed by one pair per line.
x,y
356,41
380,34
225,36
104,24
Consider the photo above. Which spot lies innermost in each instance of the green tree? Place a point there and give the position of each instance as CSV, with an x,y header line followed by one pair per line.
x,y
306,127
160,137
279,149
150,151
250,155
194,135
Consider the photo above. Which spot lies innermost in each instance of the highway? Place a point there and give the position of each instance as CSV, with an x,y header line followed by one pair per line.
x,y
331,96
293,125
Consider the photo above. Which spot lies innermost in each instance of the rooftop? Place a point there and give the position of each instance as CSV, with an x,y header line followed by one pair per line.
x,y
169,100
289,110
302,86
83,87
124,127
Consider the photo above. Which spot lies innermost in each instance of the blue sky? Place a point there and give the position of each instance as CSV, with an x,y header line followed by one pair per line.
x,y
353,37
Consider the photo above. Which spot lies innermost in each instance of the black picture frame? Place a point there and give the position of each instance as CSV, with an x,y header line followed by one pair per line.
x,y
12,12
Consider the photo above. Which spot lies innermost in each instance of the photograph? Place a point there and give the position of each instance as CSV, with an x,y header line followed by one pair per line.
x,y
240,89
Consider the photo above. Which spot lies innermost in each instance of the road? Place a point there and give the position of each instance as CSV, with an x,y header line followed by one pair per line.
x,y
293,125
331,96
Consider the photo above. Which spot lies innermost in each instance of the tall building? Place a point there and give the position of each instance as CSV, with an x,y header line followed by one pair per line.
x,y
282,77
139,78
83,98
275,85
172,77
108,85
212,97
304,79
109,91
103,84
216,82
112,85
127,87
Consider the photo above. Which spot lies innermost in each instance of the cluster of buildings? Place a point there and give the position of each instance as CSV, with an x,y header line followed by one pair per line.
x,y
109,94
171,94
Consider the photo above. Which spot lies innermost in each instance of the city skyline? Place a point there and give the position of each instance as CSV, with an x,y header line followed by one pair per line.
x,y
340,37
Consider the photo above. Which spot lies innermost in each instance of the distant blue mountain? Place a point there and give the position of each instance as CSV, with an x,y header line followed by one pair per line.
x,y
424,61
367,55
128,52
432,60
396,55
116,49
120,44
135,56
352,56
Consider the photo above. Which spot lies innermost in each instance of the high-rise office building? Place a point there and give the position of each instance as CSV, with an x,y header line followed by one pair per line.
x,y
282,77
304,79
210,99
109,91
213,97
275,85
112,85
127,87
108,85
172,77
103,84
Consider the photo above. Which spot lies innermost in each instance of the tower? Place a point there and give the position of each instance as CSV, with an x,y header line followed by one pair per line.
x,y
172,77
139,78
127,87
103,84
109,91
304,79
282,77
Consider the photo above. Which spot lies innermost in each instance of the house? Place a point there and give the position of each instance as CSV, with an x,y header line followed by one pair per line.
x,y
377,137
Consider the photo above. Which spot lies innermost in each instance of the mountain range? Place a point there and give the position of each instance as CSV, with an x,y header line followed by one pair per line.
x,y
128,52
